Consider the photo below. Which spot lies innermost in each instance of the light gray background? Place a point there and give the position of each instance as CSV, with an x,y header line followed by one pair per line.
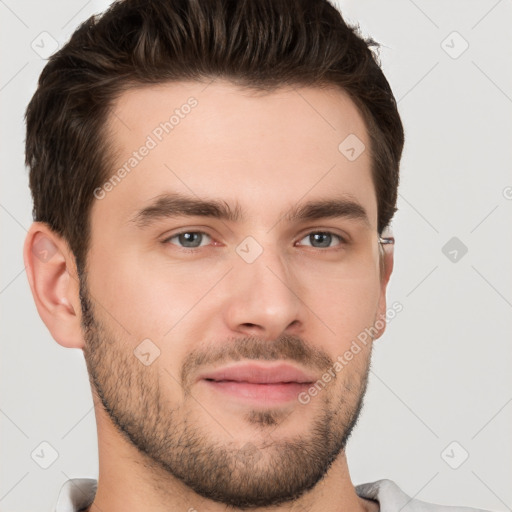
x,y
441,373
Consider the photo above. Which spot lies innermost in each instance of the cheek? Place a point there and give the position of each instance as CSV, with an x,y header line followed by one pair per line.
x,y
345,305
148,298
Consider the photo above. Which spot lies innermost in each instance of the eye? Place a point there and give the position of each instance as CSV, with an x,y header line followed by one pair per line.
x,y
322,239
189,239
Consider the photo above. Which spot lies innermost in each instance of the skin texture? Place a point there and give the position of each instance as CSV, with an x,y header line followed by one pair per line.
x,y
166,440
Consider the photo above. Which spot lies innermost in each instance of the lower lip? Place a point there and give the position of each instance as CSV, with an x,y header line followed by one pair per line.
x,y
269,393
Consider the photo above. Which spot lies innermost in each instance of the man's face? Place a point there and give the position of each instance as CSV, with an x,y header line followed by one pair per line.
x,y
169,299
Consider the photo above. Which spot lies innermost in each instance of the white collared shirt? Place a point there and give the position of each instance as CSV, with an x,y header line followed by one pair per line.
x,y
78,493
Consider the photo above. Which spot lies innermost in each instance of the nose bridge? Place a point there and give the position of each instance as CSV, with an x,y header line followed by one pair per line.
x,y
263,293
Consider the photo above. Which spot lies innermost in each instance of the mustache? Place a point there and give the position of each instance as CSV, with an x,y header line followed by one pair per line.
x,y
287,346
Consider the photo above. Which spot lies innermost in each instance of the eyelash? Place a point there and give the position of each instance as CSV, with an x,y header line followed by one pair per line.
x,y
342,240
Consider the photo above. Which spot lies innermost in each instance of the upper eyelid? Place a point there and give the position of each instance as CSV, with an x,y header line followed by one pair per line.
x,y
329,231
183,231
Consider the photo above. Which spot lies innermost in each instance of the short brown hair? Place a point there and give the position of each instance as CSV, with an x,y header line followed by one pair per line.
x,y
260,44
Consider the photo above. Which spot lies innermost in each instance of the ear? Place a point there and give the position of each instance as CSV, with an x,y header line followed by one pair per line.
x,y
386,267
53,279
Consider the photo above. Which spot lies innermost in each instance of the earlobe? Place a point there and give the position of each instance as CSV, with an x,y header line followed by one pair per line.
x,y
54,284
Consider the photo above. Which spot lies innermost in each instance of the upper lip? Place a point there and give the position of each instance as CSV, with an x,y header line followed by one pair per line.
x,y
259,373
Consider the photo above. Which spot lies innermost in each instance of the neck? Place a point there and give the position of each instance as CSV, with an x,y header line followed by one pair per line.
x,y
129,480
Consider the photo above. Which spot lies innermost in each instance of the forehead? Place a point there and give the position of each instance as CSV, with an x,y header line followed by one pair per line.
x,y
217,140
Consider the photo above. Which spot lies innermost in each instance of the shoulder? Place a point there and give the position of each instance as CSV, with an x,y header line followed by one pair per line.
x,y
76,494
391,499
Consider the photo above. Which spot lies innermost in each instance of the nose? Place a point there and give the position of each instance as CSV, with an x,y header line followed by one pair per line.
x,y
263,298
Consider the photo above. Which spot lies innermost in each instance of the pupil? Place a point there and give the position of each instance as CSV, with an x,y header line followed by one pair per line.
x,y
323,239
190,239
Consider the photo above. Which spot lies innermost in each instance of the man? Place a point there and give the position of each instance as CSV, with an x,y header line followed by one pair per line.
x,y
212,182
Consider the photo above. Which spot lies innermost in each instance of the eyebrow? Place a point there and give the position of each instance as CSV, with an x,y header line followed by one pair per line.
x,y
172,205
179,205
